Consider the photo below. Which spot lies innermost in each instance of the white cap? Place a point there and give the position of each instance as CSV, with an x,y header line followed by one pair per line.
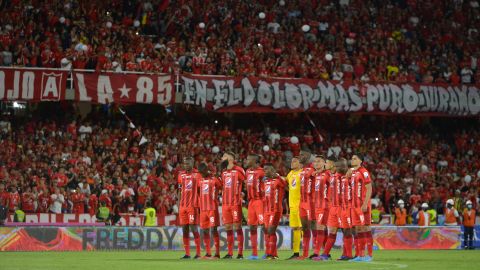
x,y
401,202
104,191
469,202
450,201
424,205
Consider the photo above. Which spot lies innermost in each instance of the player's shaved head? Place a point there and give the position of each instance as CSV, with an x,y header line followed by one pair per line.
x,y
305,155
203,169
252,160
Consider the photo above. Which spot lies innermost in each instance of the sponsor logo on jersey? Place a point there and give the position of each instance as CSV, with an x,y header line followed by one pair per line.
x,y
365,174
268,189
294,183
228,183
205,188
317,185
250,179
189,184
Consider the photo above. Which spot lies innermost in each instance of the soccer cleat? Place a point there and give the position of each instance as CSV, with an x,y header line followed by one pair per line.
x,y
313,256
294,256
217,256
275,258
367,259
357,259
228,256
207,257
186,257
323,257
344,258
252,257
301,258
197,257
240,256
268,257
265,256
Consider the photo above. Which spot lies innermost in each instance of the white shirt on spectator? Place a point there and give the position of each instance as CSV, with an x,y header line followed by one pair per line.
x,y
334,150
337,75
87,160
85,189
466,74
273,26
274,137
56,205
421,168
83,130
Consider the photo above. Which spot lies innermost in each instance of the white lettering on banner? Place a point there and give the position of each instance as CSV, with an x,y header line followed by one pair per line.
x,y
50,87
82,89
284,94
13,93
144,93
28,83
164,96
104,90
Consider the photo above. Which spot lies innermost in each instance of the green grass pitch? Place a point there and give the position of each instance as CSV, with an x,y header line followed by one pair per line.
x,y
165,260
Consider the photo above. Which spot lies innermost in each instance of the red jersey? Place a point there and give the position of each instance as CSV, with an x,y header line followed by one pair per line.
x,y
232,186
209,188
274,191
306,185
14,200
43,202
320,193
78,203
188,183
4,198
255,189
27,202
334,190
360,178
346,200
92,204
142,198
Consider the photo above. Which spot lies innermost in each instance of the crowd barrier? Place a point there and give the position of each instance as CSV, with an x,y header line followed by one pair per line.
x,y
89,238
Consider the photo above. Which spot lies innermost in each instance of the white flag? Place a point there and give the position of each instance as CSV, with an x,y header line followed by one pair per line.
x,y
131,125
143,140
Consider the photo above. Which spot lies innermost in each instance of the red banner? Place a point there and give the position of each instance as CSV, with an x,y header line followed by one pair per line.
x,y
104,88
32,84
252,94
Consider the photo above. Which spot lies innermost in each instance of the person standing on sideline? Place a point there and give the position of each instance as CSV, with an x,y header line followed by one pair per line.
x,y
452,217
150,219
468,225
400,214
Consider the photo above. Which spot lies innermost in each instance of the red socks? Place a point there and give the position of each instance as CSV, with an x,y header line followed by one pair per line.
x,y
273,245
306,242
230,242
216,240
347,245
206,242
253,238
361,244
369,239
186,244
240,241
330,242
319,241
196,238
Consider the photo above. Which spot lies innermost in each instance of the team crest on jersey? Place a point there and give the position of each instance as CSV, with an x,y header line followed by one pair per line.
x,y
228,183
189,184
267,189
294,183
365,174
317,185
205,188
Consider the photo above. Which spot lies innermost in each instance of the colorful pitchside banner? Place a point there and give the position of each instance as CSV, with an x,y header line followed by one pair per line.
x,y
32,84
170,238
251,94
121,88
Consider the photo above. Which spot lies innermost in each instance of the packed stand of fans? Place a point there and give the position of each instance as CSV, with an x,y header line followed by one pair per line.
x,y
350,40
65,166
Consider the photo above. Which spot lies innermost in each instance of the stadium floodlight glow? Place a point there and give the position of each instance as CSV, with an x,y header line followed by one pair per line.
x,y
16,105
216,121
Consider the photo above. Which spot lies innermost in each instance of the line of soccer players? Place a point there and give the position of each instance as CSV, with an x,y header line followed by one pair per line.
x,y
324,196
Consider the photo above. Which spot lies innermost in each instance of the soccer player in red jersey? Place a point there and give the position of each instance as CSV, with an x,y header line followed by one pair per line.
x,y
255,195
306,200
188,182
346,210
209,217
274,192
320,200
334,200
361,183
232,178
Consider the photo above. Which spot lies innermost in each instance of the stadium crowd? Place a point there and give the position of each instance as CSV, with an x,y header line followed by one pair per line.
x,y
65,166
397,40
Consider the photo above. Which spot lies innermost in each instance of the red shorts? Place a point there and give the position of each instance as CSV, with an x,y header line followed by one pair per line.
x,y
306,211
321,216
231,214
188,215
334,217
209,219
360,218
346,218
255,212
272,219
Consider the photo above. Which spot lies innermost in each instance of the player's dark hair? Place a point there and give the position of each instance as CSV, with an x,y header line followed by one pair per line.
x,y
320,156
188,158
359,155
269,164
203,168
332,158
256,156
232,154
